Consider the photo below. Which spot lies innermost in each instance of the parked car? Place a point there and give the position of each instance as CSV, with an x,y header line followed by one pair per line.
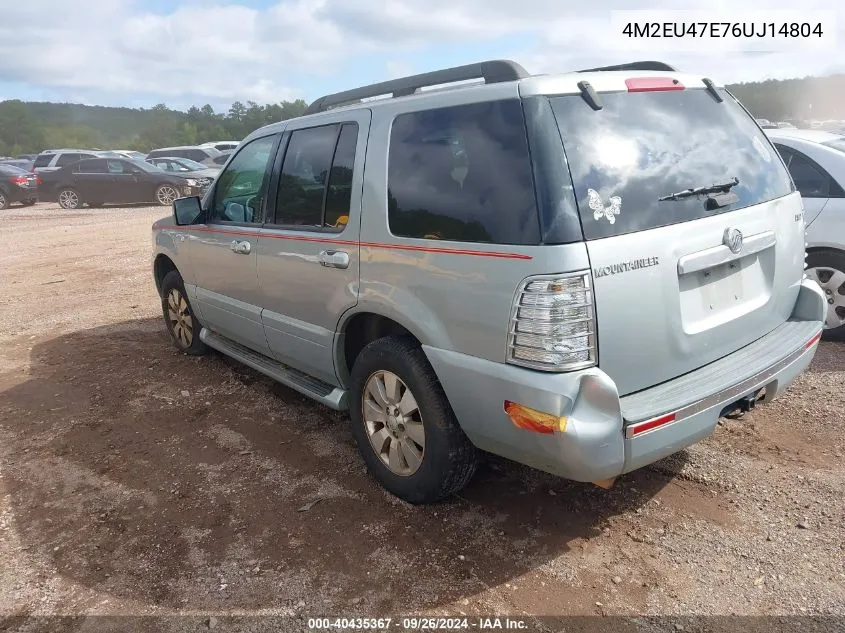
x,y
184,165
130,154
222,145
54,159
766,124
816,161
17,185
98,181
204,155
219,161
578,272
20,163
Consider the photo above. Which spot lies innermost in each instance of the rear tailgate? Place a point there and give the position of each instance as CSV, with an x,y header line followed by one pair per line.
x,y
686,280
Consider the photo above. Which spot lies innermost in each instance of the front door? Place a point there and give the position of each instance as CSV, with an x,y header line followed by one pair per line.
x,y
124,185
308,250
223,251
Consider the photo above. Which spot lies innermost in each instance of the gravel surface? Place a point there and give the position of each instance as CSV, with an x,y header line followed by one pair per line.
x,y
137,480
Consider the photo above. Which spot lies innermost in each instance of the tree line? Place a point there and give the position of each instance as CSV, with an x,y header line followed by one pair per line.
x,y
32,126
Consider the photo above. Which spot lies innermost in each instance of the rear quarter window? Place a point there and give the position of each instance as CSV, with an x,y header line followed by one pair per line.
x,y
643,146
462,174
43,160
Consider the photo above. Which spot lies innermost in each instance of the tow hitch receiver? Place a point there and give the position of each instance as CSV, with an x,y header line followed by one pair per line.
x,y
741,406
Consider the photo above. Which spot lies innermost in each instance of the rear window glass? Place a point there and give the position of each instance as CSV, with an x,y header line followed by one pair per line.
x,y
43,160
643,146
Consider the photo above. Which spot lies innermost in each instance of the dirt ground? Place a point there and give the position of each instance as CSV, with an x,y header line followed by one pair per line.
x,y
137,480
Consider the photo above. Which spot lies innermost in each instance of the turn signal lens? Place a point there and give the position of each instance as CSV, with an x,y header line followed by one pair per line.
x,y
532,420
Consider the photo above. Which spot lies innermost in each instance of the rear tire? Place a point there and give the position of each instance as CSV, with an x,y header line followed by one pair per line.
x,y
182,324
404,426
69,199
827,267
4,201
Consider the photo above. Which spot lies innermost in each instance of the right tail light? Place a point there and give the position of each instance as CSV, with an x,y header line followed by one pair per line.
x,y
553,326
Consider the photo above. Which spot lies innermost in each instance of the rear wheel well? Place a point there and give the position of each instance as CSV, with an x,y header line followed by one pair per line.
x,y
163,265
366,327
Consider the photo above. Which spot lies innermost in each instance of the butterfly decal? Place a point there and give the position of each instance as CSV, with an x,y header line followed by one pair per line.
x,y
599,209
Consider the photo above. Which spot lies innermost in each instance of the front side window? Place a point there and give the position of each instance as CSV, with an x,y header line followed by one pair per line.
x,y
464,174
627,158
115,167
811,180
242,186
315,186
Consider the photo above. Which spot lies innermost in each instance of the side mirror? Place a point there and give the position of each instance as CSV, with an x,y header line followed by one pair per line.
x,y
187,210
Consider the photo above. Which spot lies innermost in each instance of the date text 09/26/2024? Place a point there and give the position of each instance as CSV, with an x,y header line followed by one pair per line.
x,y
417,624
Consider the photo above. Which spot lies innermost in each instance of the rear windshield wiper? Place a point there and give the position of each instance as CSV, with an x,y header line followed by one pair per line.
x,y
724,187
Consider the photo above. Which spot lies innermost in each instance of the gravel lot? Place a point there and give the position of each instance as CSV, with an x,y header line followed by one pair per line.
x,y
137,480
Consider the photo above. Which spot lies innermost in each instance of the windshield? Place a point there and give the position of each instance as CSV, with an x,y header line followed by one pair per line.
x,y
190,164
836,143
641,147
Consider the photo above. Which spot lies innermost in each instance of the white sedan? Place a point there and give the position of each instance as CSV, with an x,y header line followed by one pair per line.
x,y
816,160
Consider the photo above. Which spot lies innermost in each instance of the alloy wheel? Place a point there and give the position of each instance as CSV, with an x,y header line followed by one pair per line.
x,y
832,282
180,318
393,423
166,194
68,199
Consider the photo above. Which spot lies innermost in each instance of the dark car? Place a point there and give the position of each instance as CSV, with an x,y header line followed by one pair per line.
x,y
98,181
17,185
20,163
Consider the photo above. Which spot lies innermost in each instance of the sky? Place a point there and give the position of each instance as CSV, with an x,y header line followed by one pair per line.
x,y
138,53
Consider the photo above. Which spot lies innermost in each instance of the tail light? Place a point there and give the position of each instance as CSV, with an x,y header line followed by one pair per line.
x,y
20,180
553,323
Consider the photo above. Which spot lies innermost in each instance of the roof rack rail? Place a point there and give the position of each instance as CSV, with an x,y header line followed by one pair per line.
x,y
643,65
494,71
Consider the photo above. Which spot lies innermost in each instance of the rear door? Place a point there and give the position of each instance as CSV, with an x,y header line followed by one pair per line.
x,y
308,252
680,281
93,181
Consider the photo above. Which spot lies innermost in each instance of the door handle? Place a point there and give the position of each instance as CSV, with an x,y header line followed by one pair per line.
x,y
334,259
241,248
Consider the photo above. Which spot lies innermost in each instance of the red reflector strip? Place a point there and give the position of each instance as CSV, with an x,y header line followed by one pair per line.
x,y
653,84
813,341
642,427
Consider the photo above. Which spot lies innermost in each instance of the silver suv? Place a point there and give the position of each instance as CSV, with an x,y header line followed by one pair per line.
x,y
579,272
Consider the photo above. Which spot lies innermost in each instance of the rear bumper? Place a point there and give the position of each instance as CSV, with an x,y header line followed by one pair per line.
x,y
22,194
599,441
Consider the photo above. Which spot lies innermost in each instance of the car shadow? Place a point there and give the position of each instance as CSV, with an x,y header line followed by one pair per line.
x,y
195,483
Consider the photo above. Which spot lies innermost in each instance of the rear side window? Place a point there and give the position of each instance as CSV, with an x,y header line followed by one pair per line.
x,y
67,159
194,154
96,166
315,187
462,174
643,146
42,160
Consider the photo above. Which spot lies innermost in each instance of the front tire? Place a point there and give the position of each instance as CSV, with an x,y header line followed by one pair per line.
x,y
69,199
404,426
166,194
827,267
182,324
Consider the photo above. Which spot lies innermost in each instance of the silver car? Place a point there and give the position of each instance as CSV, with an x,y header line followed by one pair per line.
x,y
816,160
580,272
